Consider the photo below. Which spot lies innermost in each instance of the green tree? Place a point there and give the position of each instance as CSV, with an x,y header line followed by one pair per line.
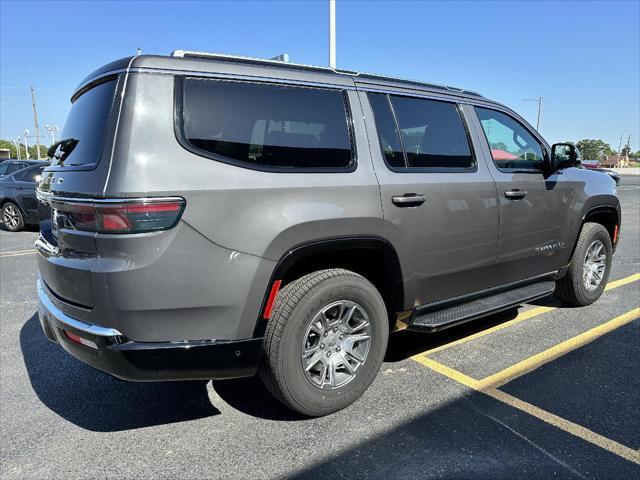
x,y
594,149
33,152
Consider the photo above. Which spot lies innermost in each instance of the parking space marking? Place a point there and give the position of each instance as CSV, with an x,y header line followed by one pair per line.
x,y
17,253
563,424
567,426
526,315
500,378
488,385
622,281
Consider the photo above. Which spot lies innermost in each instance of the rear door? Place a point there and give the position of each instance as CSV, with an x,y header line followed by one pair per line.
x,y
25,184
535,207
439,203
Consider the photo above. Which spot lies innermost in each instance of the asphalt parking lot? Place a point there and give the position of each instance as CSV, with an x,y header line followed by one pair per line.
x,y
542,392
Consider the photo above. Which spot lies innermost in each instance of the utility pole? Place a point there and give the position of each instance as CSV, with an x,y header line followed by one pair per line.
x,y
332,33
539,102
620,145
629,144
26,143
35,120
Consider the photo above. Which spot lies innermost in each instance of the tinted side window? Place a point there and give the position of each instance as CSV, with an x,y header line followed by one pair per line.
x,y
266,125
387,130
512,146
432,133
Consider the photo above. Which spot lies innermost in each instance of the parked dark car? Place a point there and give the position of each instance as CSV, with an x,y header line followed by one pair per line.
x,y
18,196
8,167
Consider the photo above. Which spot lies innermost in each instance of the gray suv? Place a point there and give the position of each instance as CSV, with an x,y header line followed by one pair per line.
x,y
208,216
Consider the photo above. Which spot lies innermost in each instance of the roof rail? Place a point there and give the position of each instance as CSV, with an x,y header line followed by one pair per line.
x,y
198,55
193,54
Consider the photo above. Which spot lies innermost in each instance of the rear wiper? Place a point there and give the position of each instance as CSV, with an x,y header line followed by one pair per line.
x,y
66,147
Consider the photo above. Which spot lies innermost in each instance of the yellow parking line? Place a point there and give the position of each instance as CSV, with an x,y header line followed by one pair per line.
x,y
558,422
565,425
622,281
503,376
16,253
488,385
526,315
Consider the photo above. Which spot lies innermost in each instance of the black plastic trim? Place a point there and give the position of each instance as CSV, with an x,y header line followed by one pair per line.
x,y
443,304
161,361
313,248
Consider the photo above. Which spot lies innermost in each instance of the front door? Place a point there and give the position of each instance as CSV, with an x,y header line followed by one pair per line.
x,y
535,227
439,203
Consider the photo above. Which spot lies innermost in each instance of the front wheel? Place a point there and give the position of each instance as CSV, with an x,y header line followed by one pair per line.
x,y
325,341
589,269
12,217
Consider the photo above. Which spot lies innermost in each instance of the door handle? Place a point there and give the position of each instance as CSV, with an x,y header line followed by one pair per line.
x,y
408,200
515,194
19,187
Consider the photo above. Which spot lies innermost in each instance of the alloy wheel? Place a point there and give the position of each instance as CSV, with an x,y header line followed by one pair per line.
x,y
336,344
594,265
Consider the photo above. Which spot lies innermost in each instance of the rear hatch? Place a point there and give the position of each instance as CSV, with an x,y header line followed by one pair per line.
x,y
78,173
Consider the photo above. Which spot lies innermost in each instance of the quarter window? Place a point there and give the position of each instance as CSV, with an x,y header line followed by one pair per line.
x,y
512,146
432,133
264,125
387,130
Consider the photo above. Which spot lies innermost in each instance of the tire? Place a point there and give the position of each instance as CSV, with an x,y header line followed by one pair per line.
x,y
296,324
572,288
12,217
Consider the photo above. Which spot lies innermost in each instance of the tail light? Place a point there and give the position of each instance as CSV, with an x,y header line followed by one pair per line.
x,y
135,216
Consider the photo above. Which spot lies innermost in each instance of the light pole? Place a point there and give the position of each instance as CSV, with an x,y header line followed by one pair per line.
x,y
16,143
53,131
539,101
26,142
332,33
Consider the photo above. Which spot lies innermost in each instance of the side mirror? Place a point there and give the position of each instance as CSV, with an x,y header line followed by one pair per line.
x,y
564,155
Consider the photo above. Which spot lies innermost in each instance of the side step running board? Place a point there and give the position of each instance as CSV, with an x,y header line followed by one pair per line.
x,y
450,316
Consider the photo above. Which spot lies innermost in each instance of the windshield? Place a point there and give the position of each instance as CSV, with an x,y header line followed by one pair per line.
x,y
86,125
4,168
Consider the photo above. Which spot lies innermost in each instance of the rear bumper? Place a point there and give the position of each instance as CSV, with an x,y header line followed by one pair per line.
x,y
149,361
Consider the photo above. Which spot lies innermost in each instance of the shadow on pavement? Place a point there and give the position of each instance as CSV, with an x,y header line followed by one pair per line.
x,y
251,397
97,401
471,437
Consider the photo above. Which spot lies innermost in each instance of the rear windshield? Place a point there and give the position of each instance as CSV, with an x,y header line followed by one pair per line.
x,y
86,123
263,125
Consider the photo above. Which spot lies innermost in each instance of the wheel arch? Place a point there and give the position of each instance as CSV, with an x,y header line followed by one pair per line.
x,y
606,215
370,256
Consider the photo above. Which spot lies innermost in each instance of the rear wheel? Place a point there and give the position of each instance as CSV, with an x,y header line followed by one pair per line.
x,y
325,341
12,217
589,269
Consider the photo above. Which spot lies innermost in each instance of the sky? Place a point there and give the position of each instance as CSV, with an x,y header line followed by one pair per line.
x,y
582,58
